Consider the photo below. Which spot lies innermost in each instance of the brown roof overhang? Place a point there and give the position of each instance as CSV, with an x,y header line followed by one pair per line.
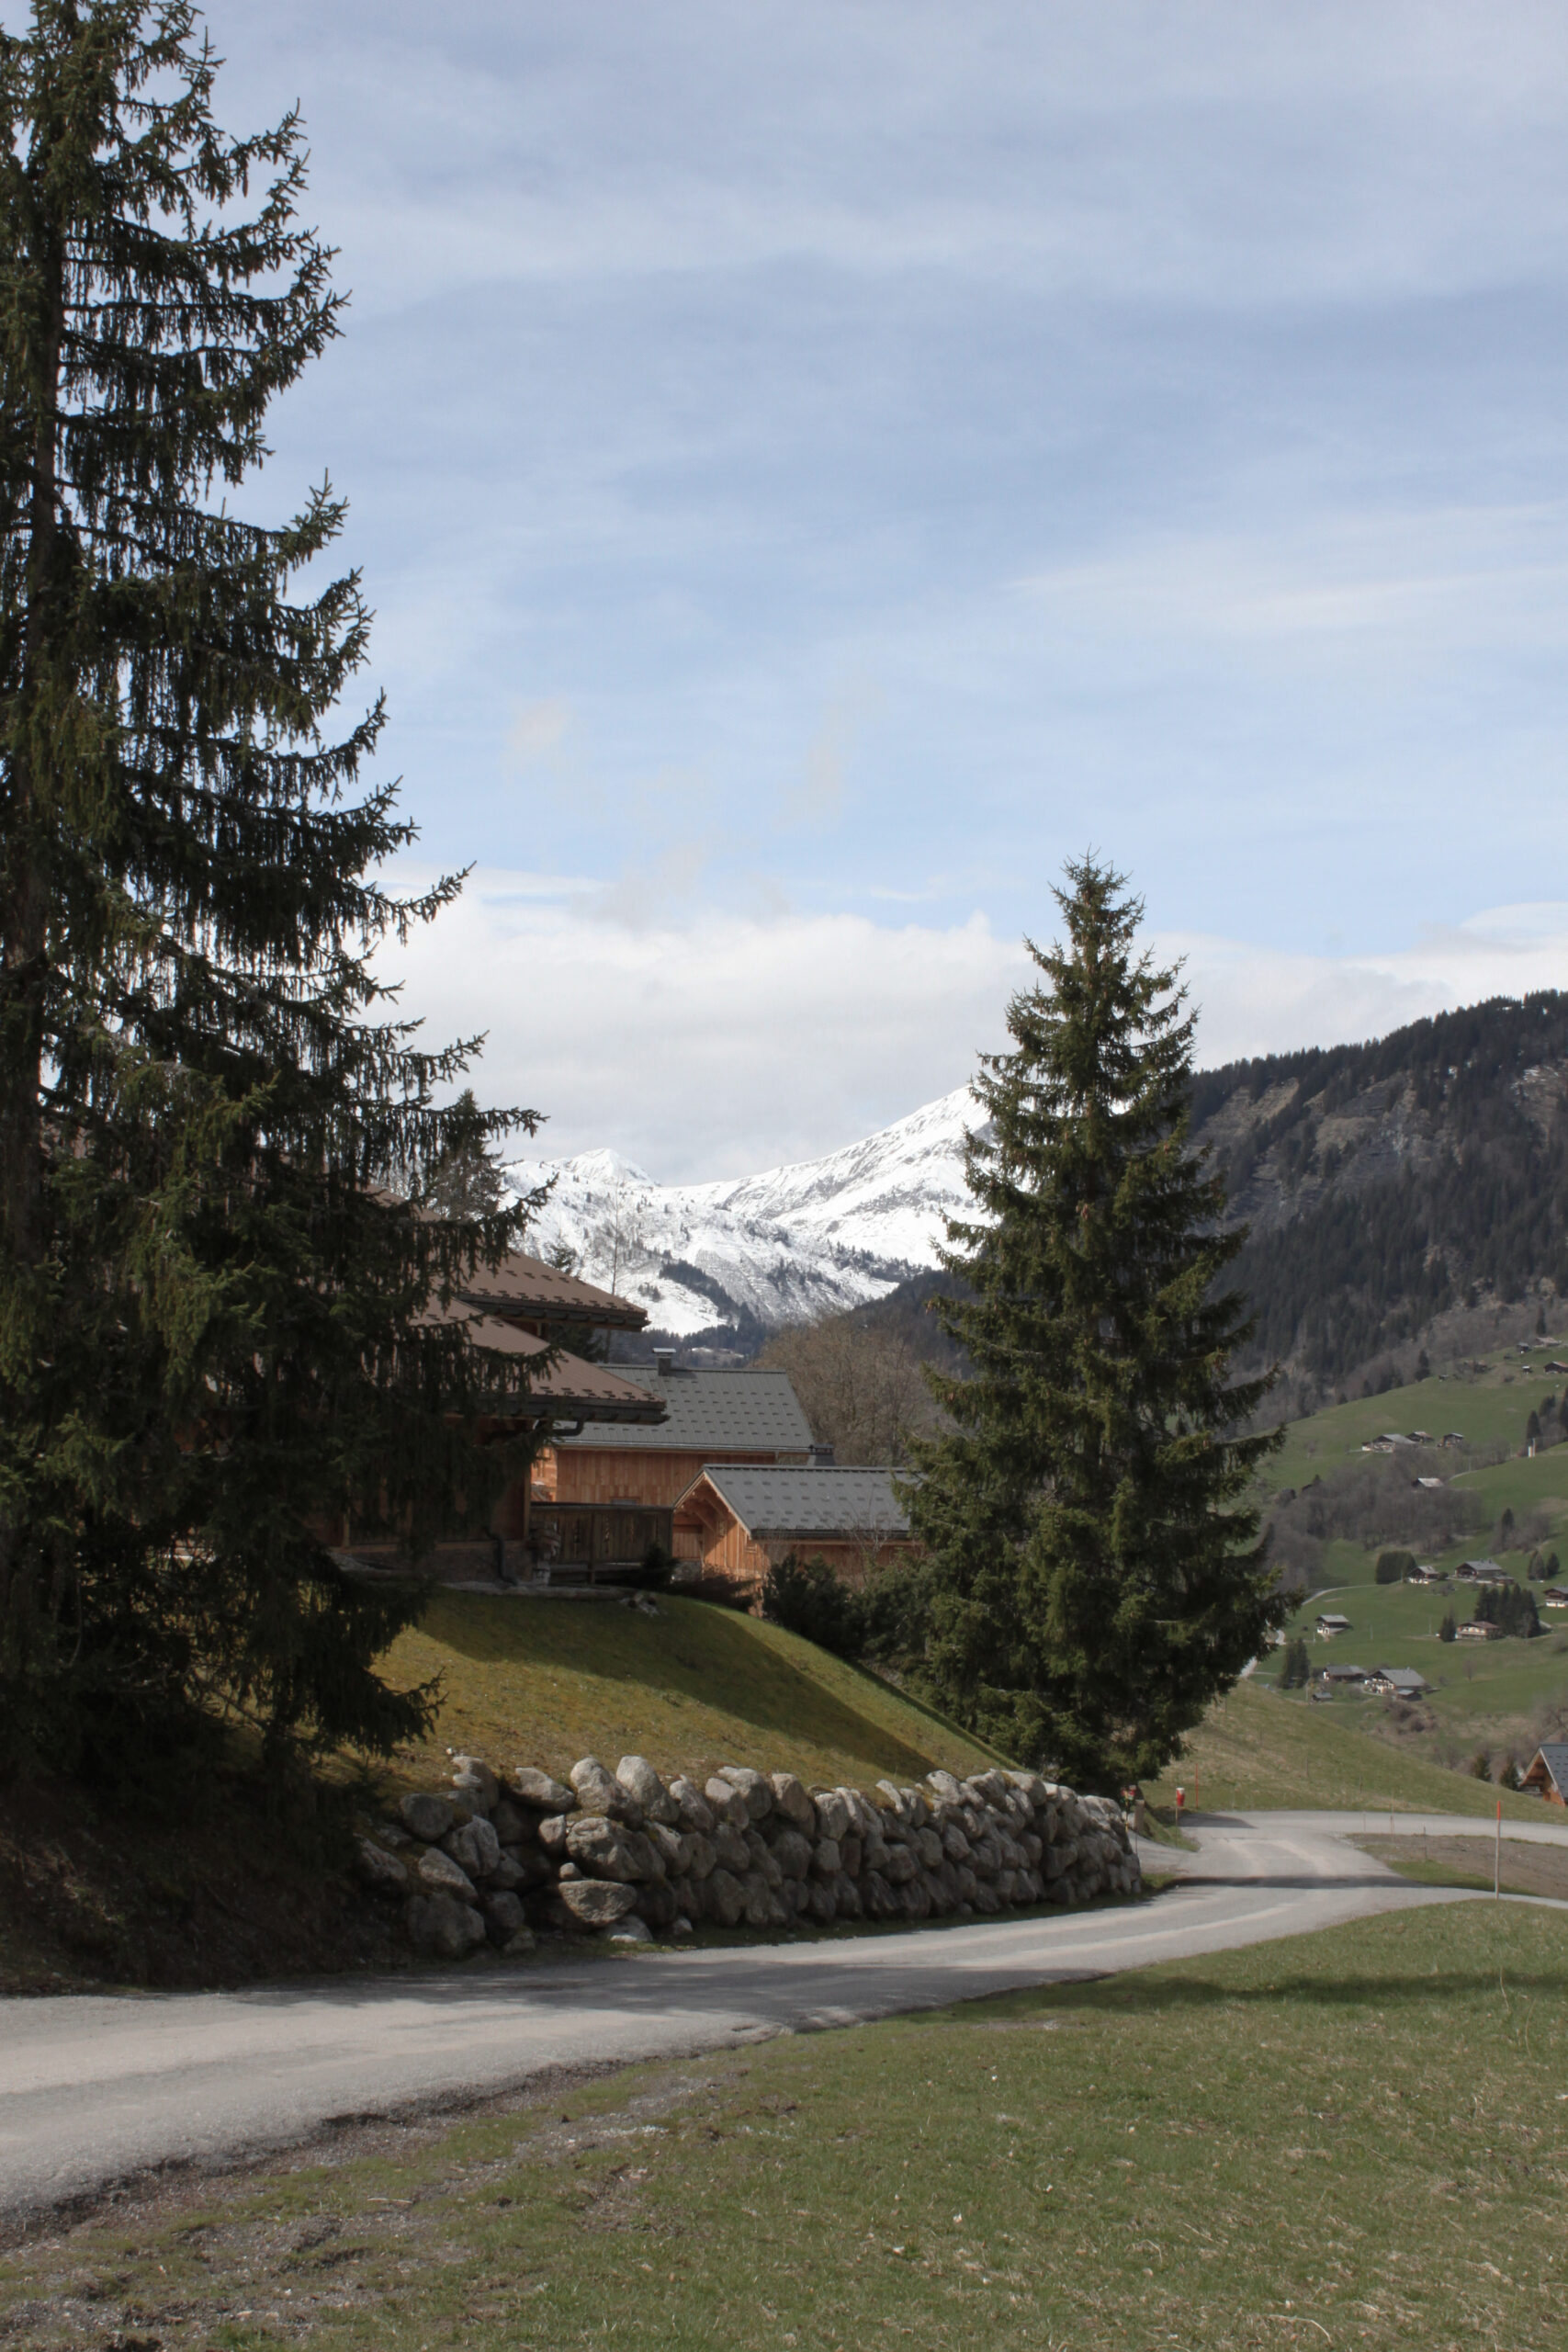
x,y
564,1387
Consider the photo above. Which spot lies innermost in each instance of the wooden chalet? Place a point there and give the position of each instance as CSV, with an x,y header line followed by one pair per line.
x,y
742,1519
524,1307
1547,1773
692,1419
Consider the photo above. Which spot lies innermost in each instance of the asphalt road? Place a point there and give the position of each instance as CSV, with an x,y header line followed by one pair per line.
x,y
95,2091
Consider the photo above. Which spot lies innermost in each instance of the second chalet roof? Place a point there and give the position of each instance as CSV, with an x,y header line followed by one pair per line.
x,y
715,1412
796,1506
525,1285
1553,1754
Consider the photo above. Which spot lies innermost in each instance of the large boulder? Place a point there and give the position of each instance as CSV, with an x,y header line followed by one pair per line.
x,y
600,1792
441,1927
928,1845
754,1787
474,1847
645,1788
379,1870
763,1860
731,1848
704,1855
826,1857
606,1848
723,1898
594,1901
540,1793
792,1852
428,1816
658,1904
792,1799
728,1805
475,1783
673,1848
439,1874
694,1811
832,1815
504,1917
511,1824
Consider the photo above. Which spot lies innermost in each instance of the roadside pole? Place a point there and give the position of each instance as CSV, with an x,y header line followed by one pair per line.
x,y
1497,1857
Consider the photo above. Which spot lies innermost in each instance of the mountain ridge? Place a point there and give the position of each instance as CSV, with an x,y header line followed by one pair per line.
x,y
1383,1184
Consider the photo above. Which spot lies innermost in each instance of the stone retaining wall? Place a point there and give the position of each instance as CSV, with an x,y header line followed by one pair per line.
x,y
625,1855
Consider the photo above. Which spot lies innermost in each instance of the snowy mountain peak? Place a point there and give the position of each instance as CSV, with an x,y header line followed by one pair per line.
x,y
783,1247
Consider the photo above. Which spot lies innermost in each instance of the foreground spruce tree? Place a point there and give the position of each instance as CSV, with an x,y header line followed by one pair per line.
x,y
214,1335
1094,1573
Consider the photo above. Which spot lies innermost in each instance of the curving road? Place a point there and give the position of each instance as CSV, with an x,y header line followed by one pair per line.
x,y
95,2090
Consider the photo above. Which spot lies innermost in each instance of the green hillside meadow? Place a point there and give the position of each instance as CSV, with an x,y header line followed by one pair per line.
x,y
1503,1691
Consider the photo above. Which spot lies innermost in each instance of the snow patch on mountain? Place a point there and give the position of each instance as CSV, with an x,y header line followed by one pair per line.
x,y
786,1246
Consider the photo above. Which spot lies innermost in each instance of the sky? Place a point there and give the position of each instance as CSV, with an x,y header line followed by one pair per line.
x,y
818,466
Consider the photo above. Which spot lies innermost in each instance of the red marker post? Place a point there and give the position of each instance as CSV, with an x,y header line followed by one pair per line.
x,y
1497,1858
1181,1800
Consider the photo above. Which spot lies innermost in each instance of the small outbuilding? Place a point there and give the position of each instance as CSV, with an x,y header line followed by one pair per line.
x,y
742,1519
1426,1575
1329,1626
1547,1773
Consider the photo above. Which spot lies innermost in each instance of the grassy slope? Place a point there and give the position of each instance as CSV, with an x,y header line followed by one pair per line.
x,y
545,1682
1259,1749
1353,2137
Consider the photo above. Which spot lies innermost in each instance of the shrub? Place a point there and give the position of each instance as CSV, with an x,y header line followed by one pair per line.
x,y
1394,1567
1480,1764
809,1599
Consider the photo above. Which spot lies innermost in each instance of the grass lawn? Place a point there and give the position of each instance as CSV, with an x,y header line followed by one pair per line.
x,y
1468,1861
1257,1749
544,1683
1357,2138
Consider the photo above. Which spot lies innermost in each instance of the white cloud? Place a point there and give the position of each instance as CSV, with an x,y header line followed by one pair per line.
x,y
739,1042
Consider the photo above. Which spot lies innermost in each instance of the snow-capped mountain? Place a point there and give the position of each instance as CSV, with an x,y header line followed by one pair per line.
x,y
785,1246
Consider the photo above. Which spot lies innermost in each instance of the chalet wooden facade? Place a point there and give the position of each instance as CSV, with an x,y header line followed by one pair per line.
x,y
526,1308
1547,1773
742,1417
741,1520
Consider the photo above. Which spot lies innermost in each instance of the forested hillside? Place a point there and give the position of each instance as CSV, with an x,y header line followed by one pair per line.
x,y
1386,1183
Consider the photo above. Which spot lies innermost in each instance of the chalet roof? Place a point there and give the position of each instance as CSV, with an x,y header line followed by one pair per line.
x,y
715,1412
1401,1677
1553,1754
787,1505
566,1389
525,1285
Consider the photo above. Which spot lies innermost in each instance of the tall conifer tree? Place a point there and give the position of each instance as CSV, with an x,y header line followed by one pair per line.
x,y
1095,1572
215,1325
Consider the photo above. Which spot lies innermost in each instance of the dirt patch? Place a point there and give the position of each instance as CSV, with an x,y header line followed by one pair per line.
x,y
1527,1869
208,1893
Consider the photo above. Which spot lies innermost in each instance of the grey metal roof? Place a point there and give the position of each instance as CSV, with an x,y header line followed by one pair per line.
x,y
713,1413
1553,1754
1402,1678
797,1506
